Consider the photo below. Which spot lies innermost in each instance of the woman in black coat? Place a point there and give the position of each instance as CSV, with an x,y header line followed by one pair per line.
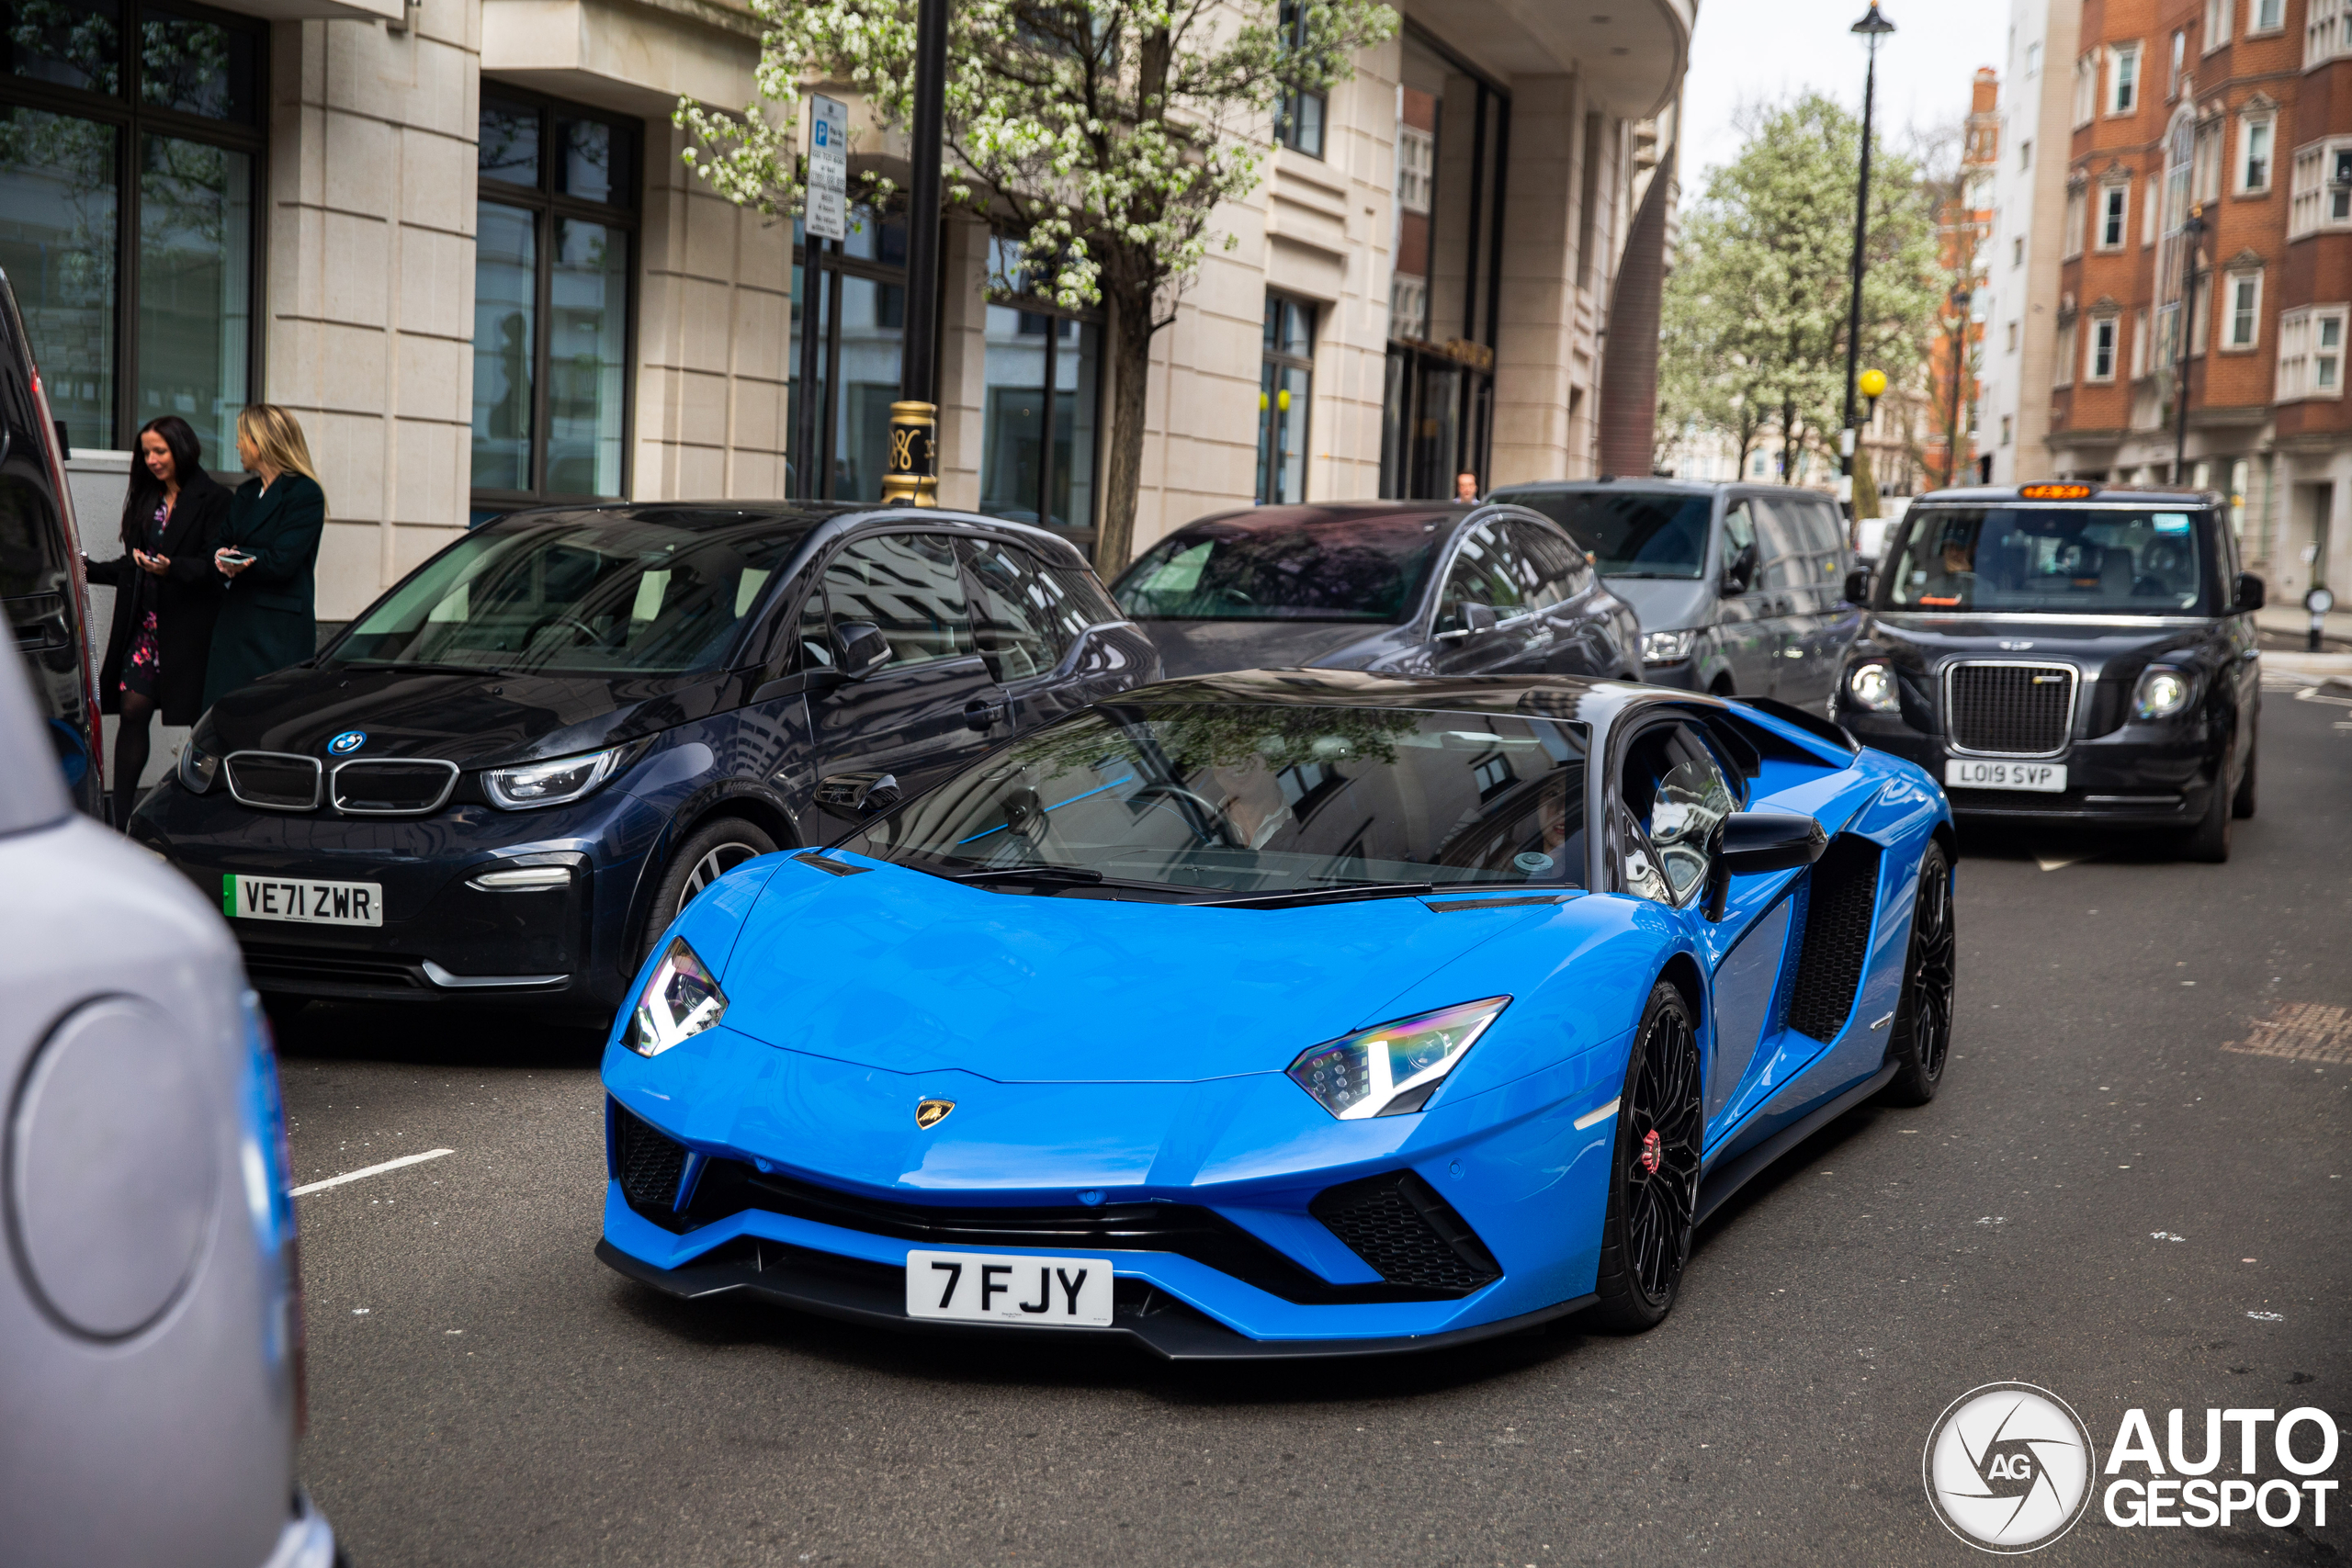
x,y
166,595
269,548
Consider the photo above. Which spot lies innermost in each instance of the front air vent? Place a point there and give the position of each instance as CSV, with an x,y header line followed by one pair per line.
x,y
392,787
1838,906
274,781
650,1164
1397,1223
2009,709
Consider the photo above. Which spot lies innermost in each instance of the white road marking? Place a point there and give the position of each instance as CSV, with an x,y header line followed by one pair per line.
x,y
372,1171
1594,1118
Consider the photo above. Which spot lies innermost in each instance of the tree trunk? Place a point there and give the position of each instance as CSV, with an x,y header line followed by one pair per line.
x,y
1115,537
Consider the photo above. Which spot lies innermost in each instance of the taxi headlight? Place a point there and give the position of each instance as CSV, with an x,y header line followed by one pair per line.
x,y
1388,1070
2162,693
1872,685
681,999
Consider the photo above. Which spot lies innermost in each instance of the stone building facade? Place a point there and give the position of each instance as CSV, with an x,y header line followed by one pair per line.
x,y
456,236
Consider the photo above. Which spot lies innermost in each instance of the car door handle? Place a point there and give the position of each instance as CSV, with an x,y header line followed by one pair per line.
x,y
982,712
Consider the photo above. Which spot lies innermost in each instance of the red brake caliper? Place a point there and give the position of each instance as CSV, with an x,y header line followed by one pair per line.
x,y
1651,1151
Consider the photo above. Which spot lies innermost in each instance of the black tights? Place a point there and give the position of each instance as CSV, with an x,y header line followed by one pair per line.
x,y
130,743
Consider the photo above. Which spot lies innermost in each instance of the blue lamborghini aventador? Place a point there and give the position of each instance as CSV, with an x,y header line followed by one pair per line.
x,y
1285,1013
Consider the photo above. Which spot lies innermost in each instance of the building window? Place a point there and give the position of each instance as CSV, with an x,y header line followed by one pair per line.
x,y
2268,17
2017,251
849,325
2321,188
2012,342
1285,378
2033,60
2311,352
127,183
2180,63
2244,326
2123,78
2065,374
2076,202
1409,286
2025,155
2114,200
2140,343
2254,155
1298,117
2085,86
2102,350
1043,372
2150,206
555,224
2006,430
2206,181
2217,24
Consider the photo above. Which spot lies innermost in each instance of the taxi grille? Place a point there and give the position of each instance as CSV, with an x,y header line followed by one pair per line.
x,y
1397,1224
2015,710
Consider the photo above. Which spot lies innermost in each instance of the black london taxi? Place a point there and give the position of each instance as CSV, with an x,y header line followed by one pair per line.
x,y
2066,652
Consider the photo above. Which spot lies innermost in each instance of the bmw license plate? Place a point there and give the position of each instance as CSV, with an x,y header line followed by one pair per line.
x,y
301,900
1970,773
987,1287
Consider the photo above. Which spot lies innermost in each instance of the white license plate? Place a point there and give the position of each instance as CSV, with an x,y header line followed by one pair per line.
x,y
1968,773
303,901
988,1287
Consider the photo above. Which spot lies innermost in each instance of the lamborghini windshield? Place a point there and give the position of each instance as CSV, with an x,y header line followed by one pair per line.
x,y
2100,560
1232,800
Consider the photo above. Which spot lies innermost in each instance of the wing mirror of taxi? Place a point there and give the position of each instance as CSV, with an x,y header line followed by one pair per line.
x,y
1750,843
860,648
2251,593
1858,586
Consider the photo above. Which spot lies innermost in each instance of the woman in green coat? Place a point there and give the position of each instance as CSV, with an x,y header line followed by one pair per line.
x,y
269,547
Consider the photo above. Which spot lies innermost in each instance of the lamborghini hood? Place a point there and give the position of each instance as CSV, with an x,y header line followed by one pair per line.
x,y
909,973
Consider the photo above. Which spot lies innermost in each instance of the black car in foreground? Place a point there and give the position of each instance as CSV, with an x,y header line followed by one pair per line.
x,y
518,764
1388,587
2068,652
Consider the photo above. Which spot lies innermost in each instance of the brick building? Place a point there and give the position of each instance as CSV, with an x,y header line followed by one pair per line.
x,y
1964,229
2209,191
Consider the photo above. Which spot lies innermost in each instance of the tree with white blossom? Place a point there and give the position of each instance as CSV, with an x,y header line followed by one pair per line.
x,y
1105,132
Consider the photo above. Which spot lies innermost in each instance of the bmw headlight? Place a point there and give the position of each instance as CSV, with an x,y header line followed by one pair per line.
x,y
555,783
681,999
199,768
1396,1068
1872,685
1668,648
2162,693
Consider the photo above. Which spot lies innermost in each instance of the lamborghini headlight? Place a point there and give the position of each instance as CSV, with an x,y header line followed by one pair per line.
x,y
2163,693
681,999
1395,1067
1872,685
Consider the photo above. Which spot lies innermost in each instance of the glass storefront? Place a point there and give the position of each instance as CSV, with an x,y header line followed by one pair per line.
x,y
1285,379
128,182
1040,405
849,328
1452,135
554,232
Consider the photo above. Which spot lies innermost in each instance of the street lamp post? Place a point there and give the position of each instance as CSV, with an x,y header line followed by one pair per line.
x,y
2191,231
1959,300
1872,26
911,477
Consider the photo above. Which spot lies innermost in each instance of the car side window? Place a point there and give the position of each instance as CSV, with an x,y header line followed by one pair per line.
x,y
910,587
1559,569
1675,794
1824,535
808,642
1486,571
1024,616
1781,541
1740,537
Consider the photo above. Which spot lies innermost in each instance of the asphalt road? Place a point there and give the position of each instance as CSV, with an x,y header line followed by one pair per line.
x,y
2106,1201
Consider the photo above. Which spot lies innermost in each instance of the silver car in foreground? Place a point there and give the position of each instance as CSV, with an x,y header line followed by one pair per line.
x,y
150,1326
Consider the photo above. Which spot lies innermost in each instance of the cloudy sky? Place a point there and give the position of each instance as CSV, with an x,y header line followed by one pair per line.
x,y
1747,52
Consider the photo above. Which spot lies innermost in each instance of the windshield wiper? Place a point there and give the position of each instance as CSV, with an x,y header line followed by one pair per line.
x,y
424,665
1042,872
1352,890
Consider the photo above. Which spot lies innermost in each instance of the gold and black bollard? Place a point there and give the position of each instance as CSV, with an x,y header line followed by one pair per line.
x,y
912,477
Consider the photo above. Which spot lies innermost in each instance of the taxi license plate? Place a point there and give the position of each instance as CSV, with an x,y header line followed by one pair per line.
x,y
301,900
985,1287
1969,772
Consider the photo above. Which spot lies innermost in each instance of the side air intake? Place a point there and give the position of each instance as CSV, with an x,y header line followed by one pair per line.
x,y
1841,900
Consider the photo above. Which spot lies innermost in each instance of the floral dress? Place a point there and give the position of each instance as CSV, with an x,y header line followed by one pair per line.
x,y
145,659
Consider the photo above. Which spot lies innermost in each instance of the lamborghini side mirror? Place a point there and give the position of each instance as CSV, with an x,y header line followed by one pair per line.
x,y
1750,843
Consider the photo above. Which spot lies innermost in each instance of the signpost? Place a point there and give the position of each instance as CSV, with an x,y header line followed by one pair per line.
x,y
826,213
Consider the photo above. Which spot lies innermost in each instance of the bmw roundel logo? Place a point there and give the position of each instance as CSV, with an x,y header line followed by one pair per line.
x,y
350,740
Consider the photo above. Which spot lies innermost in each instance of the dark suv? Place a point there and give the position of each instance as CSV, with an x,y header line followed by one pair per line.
x,y
518,764
2070,652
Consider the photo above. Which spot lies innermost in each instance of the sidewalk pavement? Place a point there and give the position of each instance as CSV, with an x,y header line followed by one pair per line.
x,y
2293,620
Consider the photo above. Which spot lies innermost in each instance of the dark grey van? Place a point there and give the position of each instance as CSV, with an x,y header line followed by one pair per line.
x,y
1741,588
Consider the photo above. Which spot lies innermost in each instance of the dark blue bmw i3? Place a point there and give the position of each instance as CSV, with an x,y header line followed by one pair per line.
x,y
515,767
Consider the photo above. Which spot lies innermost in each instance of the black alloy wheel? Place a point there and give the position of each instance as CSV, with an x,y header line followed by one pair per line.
x,y
1922,1040
1654,1182
712,852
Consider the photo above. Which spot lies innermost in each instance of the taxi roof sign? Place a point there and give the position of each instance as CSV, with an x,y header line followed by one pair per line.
x,y
2053,492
